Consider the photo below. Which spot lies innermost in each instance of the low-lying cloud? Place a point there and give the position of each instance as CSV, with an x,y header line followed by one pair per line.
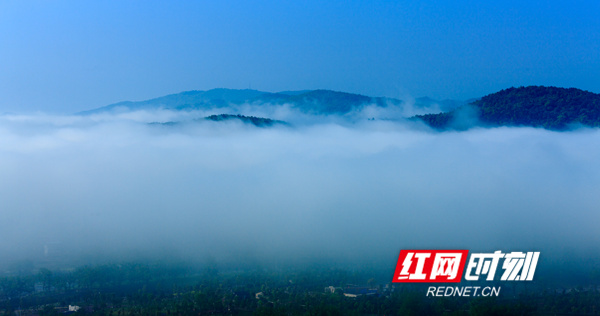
x,y
113,186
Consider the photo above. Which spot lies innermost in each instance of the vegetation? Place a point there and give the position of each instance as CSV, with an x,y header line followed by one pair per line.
x,y
536,106
256,121
155,289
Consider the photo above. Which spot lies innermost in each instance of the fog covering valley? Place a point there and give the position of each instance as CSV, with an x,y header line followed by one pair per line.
x,y
344,189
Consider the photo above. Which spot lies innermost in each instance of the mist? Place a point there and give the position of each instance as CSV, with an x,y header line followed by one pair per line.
x,y
112,187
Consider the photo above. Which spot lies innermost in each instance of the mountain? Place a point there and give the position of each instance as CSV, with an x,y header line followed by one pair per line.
x,y
536,106
308,101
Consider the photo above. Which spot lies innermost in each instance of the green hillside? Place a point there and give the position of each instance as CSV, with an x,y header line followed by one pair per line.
x,y
536,106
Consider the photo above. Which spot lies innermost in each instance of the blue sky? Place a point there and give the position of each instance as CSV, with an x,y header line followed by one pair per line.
x,y
67,56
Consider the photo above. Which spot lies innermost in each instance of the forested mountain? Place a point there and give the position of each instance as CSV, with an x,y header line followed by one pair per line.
x,y
536,106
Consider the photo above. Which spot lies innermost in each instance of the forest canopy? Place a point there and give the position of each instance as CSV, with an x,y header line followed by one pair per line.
x,y
536,106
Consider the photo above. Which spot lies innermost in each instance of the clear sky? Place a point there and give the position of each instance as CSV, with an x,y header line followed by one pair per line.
x,y
66,56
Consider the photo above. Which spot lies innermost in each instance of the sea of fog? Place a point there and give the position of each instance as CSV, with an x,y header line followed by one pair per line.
x,y
113,187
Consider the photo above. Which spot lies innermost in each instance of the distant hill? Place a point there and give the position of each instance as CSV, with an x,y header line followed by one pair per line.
x,y
536,106
215,98
308,101
256,121
252,120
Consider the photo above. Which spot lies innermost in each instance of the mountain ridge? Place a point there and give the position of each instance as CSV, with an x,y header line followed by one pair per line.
x,y
319,101
546,107
550,107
